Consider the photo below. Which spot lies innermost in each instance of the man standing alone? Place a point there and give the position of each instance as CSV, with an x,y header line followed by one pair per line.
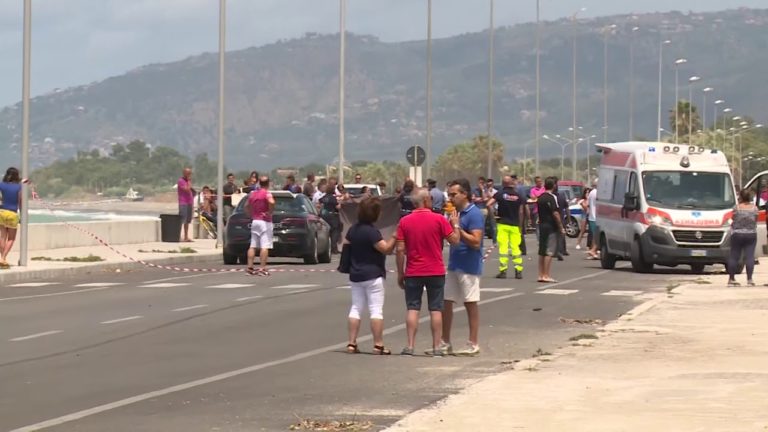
x,y
550,226
420,266
260,205
229,189
186,201
510,227
465,266
438,199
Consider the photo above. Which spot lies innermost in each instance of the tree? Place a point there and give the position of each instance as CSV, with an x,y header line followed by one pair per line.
x,y
687,120
469,159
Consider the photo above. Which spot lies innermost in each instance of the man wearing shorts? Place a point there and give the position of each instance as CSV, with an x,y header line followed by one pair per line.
x,y
550,227
260,204
465,265
186,201
420,236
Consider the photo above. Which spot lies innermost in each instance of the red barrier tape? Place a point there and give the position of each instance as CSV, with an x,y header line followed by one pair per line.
x,y
199,270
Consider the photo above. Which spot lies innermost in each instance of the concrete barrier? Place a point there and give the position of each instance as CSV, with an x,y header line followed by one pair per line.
x,y
58,235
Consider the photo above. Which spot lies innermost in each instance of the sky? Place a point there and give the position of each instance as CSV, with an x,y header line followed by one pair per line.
x,y
80,41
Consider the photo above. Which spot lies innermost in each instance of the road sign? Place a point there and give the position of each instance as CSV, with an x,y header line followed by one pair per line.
x,y
416,155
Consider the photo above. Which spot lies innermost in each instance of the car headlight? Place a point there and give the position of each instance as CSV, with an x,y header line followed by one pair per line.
x,y
655,219
728,222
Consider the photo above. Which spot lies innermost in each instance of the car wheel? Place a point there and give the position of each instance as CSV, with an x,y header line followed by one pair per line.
x,y
607,261
698,268
243,259
325,256
312,257
572,227
638,262
229,259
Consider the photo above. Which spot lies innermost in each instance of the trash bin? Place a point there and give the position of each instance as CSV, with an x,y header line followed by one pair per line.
x,y
170,228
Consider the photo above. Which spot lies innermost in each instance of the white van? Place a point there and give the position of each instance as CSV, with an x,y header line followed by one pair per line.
x,y
663,204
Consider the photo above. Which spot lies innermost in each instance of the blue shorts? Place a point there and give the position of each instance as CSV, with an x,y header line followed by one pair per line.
x,y
592,226
414,290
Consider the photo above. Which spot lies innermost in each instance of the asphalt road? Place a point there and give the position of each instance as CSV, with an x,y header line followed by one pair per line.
x,y
160,351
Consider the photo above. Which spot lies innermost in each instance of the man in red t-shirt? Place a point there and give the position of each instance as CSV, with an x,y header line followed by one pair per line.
x,y
420,265
260,205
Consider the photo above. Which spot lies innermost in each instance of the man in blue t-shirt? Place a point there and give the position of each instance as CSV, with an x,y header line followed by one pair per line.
x,y
465,265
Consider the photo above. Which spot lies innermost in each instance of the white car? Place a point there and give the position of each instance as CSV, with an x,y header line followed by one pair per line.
x,y
355,189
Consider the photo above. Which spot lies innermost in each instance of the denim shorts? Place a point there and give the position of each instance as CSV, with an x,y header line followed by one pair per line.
x,y
414,289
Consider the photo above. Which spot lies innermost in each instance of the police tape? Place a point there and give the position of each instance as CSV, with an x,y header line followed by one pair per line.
x,y
104,243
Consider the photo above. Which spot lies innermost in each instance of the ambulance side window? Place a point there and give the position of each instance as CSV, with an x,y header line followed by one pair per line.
x,y
633,186
619,186
760,190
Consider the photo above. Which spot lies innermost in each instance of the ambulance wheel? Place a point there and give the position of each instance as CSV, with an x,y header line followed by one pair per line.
x,y
607,261
698,268
638,262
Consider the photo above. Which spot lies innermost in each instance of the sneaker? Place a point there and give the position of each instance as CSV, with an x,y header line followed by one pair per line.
x,y
578,247
751,283
518,274
445,348
470,351
733,283
502,275
435,352
406,351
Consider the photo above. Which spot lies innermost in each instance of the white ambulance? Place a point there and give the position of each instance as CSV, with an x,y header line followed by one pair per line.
x,y
663,204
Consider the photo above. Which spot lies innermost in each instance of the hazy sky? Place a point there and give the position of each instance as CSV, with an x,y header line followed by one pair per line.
x,y
79,41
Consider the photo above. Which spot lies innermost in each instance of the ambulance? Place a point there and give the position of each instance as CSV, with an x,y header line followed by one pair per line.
x,y
663,204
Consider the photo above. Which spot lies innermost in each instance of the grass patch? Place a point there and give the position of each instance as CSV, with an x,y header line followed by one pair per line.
x,y
672,286
89,258
540,352
582,336
332,426
181,250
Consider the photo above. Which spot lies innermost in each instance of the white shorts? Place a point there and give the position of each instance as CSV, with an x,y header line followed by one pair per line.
x,y
461,287
261,234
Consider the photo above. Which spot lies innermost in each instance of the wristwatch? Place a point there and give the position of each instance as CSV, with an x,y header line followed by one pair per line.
x,y
457,226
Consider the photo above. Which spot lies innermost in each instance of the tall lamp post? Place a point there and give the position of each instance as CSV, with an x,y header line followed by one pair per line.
x,y
678,63
538,81
563,145
220,167
428,161
661,74
588,138
342,65
606,32
632,84
573,21
704,106
691,81
490,93
27,60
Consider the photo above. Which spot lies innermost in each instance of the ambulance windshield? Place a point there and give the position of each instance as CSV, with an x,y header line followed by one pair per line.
x,y
688,190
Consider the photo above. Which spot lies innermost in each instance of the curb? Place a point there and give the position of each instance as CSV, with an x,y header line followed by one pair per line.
x,y
85,269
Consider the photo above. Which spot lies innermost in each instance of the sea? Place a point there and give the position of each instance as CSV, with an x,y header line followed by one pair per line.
x,y
54,216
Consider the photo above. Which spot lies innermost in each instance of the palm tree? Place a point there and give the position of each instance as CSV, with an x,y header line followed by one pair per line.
x,y
469,159
688,120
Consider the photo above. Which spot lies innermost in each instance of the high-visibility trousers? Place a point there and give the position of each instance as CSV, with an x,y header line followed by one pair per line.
x,y
508,238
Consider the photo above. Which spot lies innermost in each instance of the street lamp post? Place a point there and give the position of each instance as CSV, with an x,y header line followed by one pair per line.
x,y
632,84
573,20
661,74
678,62
562,145
428,161
714,118
605,80
26,68
691,81
220,164
342,64
704,107
490,92
538,81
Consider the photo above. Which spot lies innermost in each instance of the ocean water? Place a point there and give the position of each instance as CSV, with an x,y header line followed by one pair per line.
x,y
47,216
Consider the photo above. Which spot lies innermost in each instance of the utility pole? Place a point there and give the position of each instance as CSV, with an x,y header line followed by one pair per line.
x,y
538,82
342,58
428,161
632,84
26,68
490,96
220,175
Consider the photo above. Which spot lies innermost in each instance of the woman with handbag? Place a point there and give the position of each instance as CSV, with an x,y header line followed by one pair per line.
x,y
363,257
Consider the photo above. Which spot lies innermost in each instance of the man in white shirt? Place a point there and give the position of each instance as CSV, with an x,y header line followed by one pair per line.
x,y
592,219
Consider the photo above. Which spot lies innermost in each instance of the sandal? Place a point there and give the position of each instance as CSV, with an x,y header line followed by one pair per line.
x,y
352,349
4,265
381,350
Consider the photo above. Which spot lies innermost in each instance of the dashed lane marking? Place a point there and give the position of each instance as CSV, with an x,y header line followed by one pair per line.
x,y
34,284
242,299
295,286
164,285
53,294
34,336
230,286
557,291
496,289
187,308
99,284
130,318
344,287
621,293
298,291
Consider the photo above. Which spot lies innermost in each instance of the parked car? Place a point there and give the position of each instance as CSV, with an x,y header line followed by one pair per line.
x,y
299,232
355,189
572,224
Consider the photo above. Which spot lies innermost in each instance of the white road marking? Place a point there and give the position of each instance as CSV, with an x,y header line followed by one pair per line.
x,y
53,294
621,293
234,373
100,284
230,286
182,309
34,284
496,289
164,285
130,318
295,286
557,291
344,287
36,335
297,291
198,275
241,299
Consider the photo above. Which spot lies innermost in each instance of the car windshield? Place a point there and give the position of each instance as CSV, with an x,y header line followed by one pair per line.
x,y
688,190
357,190
283,204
